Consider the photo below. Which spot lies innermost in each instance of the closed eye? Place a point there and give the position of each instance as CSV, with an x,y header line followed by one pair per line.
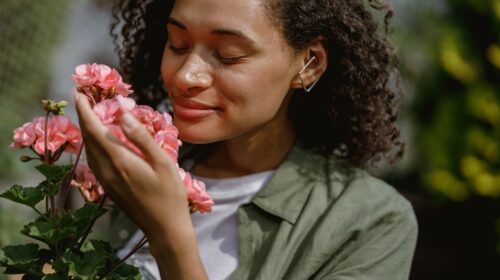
x,y
228,60
177,50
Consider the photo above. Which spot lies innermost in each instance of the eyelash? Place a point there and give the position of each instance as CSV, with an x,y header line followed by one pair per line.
x,y
224,60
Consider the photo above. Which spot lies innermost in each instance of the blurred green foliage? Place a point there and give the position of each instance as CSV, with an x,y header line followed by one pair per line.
x,y
30,31
456,105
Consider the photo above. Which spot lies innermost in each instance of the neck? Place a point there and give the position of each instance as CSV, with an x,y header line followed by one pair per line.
x,y
253,152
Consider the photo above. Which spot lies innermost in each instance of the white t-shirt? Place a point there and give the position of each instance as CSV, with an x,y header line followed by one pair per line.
x,y
217,231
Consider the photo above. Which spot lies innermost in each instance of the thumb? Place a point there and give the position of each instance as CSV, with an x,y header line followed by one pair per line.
x,y
137,134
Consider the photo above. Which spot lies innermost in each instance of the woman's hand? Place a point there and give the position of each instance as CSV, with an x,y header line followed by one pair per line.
x,y
149,191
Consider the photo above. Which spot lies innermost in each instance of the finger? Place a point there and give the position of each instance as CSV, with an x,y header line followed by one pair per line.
x,y
89,122
93,130
139,136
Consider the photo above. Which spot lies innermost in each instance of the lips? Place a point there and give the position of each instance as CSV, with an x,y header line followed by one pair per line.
x,y
189,109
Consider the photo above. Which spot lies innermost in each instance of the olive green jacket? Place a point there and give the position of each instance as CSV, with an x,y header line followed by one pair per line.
x,y
316,219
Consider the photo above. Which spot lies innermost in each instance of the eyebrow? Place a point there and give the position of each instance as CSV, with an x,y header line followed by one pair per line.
x,y
219,32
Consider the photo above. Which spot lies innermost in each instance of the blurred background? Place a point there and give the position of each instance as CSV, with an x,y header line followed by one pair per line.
x,y
449,53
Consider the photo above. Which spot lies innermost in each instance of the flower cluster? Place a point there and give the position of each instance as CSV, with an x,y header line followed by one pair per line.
x,y
86,182
99,82
109,108
159,125
199,200
62,135
67,253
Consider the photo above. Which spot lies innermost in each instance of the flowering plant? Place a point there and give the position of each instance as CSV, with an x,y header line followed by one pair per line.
x,y
65,252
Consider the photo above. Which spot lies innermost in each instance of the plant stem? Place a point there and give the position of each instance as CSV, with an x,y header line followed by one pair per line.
x,y
138,246
65,183
39,213
52,205
46,153
101,204
46,139
47,160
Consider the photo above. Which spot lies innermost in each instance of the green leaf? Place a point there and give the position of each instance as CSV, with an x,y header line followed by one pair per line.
x,y
26,196
98,245
51,230
49,188
60,266
54,277
19,258
86,267
54,173
67,227
83,216
125,272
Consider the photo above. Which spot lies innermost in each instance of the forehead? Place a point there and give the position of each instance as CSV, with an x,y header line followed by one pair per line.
x,y
247,16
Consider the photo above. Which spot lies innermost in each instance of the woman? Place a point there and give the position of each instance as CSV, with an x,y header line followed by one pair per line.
x,y
282,101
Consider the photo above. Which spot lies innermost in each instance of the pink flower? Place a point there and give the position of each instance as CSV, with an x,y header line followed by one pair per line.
x,y
110,110
60,131
159,125
24,136
108,78
100,81
103,85
84,75
86,182
198,197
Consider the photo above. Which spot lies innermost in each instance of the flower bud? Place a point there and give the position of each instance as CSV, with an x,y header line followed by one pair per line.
x,y
57,108
111,92
25,158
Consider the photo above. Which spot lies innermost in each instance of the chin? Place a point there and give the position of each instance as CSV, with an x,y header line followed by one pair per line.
x,y
195,136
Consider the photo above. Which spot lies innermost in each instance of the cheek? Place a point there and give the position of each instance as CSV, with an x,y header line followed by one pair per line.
x,y
257,91
168,66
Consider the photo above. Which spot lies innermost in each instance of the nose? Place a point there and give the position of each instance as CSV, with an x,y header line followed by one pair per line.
x,y
193,74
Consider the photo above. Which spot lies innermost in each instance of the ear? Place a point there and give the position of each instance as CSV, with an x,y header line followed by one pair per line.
x,y
316,67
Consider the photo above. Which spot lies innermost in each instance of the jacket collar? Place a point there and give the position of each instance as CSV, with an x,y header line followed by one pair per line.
x,y
286,193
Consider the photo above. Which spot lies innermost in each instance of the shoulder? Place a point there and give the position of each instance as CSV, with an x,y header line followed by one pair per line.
x,y
351,193
359,219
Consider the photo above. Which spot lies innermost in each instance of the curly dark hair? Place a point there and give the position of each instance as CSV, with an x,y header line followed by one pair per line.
x,y
352,111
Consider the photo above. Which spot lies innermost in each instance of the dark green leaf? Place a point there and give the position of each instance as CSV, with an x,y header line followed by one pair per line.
x,y
100,246
86,267
125,272
52,230
49,188
83,216
60,266
54,277
26,196
19,258
54,173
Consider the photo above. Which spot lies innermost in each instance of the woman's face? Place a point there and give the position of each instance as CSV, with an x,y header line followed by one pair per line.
x,y
227,70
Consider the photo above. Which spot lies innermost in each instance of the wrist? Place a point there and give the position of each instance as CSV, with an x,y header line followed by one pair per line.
x,y
177,255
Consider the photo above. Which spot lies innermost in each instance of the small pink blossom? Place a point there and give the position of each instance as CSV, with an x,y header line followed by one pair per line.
x,y
24,136
84,75
110,110
60,131
198,197
86,182
159,125
100,81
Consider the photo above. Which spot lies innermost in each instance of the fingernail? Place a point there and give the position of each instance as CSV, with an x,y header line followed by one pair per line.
x,y
128,121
